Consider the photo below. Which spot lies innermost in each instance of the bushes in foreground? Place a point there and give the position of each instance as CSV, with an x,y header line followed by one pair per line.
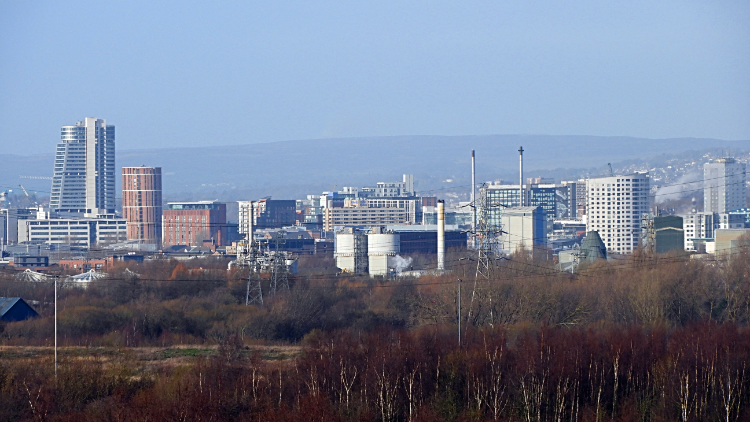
x,y
696,372
172,303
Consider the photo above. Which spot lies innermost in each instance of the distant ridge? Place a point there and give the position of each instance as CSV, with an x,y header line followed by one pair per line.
x,y
287,169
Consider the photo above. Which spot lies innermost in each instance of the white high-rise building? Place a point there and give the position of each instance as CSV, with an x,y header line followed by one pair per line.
x,y
246,218
614,206
723,185
390,189
84,176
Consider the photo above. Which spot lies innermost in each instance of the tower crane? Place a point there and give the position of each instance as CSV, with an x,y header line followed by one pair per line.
x,y
33,203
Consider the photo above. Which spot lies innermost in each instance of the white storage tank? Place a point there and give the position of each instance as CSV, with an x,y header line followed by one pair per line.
x,y
380,246
383,244
350,251
344,245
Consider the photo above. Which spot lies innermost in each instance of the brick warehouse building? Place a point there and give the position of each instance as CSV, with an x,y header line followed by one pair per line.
x,y
194,223
141,203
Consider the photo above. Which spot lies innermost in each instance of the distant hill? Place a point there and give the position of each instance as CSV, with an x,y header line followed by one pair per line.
x,y
292,169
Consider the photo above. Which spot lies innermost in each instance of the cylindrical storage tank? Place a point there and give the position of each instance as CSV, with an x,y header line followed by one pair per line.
x,y
344,251
379,247
388,244
344,245
350,251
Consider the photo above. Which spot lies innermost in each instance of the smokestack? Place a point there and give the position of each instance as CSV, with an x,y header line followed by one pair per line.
x,y
250,227
473,197
441,235
520,174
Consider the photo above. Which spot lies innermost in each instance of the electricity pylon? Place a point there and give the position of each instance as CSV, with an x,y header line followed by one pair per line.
x,y
486,235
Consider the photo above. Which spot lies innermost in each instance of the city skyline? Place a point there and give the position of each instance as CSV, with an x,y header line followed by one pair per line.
x,y
391,211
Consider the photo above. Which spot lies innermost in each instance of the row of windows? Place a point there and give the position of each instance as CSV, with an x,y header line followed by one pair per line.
x,y
185,219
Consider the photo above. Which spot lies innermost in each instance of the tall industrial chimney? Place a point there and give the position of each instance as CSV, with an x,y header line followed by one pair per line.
x,y
441,235
250,228
473,199
520,175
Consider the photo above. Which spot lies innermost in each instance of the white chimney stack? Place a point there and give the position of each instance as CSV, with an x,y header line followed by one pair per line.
x,y
520,176
441,235
473,201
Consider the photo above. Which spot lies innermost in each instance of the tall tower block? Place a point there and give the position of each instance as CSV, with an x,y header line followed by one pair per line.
x,y
142,203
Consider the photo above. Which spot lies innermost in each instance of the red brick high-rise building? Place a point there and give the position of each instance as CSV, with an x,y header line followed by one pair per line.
x,y
195,223
141,203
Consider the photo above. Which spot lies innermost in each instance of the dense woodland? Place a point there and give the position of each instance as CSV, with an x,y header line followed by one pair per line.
x,y
655,338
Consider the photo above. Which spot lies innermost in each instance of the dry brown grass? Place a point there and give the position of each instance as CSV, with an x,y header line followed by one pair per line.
x,y
143,358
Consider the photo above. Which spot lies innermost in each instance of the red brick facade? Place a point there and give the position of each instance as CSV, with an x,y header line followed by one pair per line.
x,y
192,223
142,203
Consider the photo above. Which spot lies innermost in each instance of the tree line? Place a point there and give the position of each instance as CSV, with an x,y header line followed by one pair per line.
x,y
692,373
171,302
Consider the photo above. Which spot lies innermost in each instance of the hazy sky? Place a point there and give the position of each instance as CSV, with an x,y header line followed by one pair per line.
x,y
219,73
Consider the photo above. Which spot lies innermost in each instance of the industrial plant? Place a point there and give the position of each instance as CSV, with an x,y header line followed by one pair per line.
x,y
379,230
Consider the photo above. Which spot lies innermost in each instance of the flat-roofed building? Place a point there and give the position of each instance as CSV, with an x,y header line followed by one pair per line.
x,y
614,206
524,228
422,239
723,185
266,213
371,212
566,200
731,241
502,196
76,232
669,233
274,213
404,188
194,223
700,227
9,219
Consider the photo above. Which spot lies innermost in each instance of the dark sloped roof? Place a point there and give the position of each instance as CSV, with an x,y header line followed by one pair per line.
x,y
22,311
6,303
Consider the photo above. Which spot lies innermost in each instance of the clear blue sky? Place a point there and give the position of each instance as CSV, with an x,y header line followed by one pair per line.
x,y
218,73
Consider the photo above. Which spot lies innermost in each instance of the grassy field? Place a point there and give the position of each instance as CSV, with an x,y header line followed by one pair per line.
x,y
144,358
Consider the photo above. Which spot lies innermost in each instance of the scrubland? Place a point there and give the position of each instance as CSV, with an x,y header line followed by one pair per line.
x,y
643,338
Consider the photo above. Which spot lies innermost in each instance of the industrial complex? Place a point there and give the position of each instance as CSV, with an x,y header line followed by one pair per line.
x,y
375,230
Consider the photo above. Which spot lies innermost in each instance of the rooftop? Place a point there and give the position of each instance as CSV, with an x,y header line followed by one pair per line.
x,y
197,205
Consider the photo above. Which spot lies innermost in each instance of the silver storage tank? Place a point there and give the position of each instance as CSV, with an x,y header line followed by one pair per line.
x,y
380,246
350,251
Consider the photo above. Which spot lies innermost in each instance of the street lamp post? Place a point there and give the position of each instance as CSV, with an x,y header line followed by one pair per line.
x,y
459,312
55,327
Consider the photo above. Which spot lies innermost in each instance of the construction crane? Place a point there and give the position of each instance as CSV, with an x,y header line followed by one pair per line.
x,y
35,177
33,203
611,173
